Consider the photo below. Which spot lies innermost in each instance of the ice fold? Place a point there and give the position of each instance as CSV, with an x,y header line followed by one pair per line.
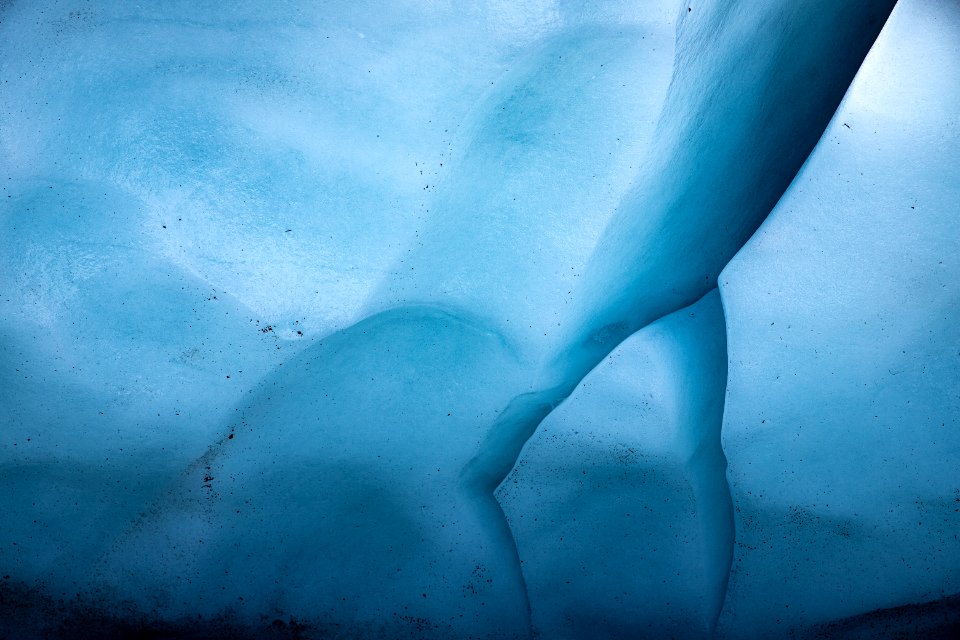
x,y
468,458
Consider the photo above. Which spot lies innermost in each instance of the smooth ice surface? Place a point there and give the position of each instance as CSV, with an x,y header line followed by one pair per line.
x,y
285,288
843,444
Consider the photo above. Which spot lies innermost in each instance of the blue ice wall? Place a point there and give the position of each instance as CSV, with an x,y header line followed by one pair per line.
x,y
424,320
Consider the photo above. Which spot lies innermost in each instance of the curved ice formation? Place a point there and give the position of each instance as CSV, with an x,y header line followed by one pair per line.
x,y
355,484
406,418
337,493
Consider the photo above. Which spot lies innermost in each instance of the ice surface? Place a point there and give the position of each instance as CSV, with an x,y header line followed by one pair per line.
x,y
286,289
843,445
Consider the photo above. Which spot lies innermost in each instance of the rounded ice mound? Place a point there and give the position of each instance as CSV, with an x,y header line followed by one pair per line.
x,y
338,494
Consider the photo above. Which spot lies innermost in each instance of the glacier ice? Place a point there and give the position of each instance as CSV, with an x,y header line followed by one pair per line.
x,y
403,320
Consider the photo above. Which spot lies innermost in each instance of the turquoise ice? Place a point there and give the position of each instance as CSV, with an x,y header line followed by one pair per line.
x,y
433,320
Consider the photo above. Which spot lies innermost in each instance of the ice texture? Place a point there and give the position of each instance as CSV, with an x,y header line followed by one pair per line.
x,y
503,320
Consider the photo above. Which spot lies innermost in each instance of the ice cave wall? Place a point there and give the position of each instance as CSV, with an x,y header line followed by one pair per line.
x,y
191,197
840,424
